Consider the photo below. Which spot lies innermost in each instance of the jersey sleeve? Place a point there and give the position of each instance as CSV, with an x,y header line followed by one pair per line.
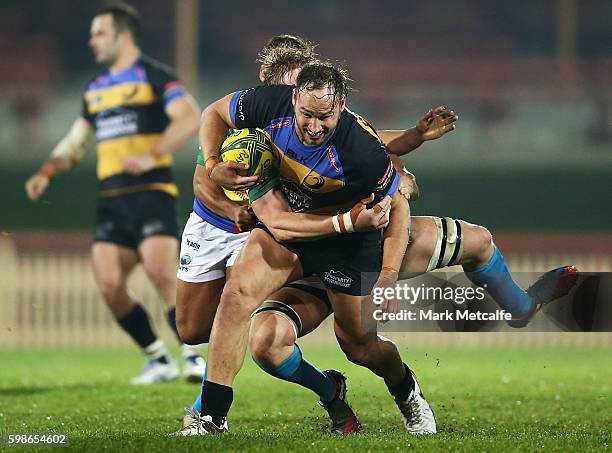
x,y
257,107
387,183
265,186
379,175
85,111
165,83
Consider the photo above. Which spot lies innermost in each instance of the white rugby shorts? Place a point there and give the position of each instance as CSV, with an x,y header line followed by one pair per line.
x,y
207,250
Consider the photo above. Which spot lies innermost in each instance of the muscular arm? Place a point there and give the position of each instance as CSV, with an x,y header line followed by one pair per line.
x,y
213,128
434,124
395,241
215,199
273,210
395,237
214,124
401,142
184,114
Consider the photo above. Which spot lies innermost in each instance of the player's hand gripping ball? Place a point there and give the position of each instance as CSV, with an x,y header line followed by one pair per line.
x,y
252,147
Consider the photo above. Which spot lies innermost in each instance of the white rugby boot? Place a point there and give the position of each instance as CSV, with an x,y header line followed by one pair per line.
x,y
418,416
200,425
193,368
155,372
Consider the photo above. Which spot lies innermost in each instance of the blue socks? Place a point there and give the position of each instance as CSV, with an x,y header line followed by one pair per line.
x,y
497,280
197,405
298,370
293,369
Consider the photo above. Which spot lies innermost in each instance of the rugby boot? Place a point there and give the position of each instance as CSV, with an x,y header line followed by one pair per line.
x,y
417,414
200,425
155,372
550,286
344,420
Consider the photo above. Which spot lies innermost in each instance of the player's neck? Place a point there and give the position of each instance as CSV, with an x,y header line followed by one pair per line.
x,y
125,59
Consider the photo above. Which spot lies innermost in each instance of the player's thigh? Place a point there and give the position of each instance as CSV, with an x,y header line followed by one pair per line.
x,y
112,263
421,246
196,305
159,256
262,267
353,319
310,307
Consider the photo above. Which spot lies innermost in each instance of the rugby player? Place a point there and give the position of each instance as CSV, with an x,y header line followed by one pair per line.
x,y
277,324
330,159
198,292
140,114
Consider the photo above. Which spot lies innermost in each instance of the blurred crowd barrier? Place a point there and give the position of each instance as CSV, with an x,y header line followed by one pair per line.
x,y
49,297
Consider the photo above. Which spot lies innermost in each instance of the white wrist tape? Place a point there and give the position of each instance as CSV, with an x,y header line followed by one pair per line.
x,y
348,224
336,224
343,223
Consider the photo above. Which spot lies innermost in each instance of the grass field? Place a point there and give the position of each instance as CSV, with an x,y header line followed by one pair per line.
x,y
494,400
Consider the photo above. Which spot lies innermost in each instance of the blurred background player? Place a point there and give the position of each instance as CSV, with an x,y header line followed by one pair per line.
x,y
139,114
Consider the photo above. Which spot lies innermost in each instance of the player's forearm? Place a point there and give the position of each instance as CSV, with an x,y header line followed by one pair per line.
x,y
401,142
212,195
54,166
396,235
297,226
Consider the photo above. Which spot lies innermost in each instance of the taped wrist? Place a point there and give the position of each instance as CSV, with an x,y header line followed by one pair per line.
x,y
48,170
343,223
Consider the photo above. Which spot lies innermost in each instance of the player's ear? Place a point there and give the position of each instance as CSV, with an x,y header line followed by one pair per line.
x,y
294,96
342,103
262,73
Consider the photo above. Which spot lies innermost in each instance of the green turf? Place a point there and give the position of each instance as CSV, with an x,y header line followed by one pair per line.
x,y
496,400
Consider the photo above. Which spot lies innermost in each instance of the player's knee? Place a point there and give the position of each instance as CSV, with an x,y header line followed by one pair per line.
x,y
269,338
160,275
239,297
262,345
191,333
483,242
112,288
358,353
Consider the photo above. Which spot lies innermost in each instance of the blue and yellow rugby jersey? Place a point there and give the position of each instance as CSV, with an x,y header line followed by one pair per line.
x,y
327,178
126,109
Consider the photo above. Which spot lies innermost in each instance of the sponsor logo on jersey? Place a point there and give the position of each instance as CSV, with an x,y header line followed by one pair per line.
x,y
240,105
185,260
297,199
131,93
116,123
314,181
337,278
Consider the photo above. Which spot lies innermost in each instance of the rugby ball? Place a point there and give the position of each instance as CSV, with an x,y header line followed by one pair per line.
x,y
252,147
